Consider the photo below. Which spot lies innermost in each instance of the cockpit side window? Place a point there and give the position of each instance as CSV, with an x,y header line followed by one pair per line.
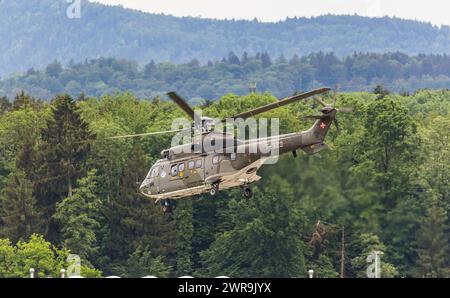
x,y
155,172
174,170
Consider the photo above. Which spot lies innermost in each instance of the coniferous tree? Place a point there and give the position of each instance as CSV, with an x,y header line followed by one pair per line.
x,y
18,212
21,100
266,60
135,220
233,59
433,244
184,254
63,155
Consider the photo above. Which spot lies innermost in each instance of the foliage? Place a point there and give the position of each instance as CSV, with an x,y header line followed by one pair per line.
x,y
184,255
385,181
365,245
62,156
141,263
18,210
78,216
264,242
201,83
433,244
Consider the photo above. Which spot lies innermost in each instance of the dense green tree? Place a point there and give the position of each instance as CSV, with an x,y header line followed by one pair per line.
x,y
355,184
200,81
322,267
5,104
78,217
8,260
141,263
265,241
433,244
39,254
19,215
183,216
19,131
135,221
63,155
364,245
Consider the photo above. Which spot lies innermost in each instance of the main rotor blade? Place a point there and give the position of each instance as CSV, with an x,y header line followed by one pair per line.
x,y
283,102
146,134
345,110
182,104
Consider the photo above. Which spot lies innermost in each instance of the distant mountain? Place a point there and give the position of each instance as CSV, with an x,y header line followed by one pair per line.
x,y
35,32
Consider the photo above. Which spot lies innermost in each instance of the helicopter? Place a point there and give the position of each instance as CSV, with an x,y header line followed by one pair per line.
x,y
191,169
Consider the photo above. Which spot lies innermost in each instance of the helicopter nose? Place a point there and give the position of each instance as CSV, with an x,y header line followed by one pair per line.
x,y
145,187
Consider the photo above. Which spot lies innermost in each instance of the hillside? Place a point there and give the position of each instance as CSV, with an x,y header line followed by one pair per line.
x,y
281,76
35,32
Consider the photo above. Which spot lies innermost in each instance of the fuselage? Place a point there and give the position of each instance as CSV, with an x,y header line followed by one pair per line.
x,y
187,170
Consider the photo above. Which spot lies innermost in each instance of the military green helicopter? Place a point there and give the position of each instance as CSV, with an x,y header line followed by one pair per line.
x,y
191,169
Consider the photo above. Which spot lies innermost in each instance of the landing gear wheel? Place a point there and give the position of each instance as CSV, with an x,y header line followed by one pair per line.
x,y
214,191
167,206
247,192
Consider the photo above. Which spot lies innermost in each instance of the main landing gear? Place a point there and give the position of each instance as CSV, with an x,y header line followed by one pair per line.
x,y
167,205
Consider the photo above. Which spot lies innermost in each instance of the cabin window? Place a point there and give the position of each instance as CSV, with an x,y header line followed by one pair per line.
x,y
155,172
216,159
174,170
191,165
233,156
181,167
198,163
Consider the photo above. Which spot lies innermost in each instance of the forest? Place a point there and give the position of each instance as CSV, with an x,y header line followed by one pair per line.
x,y
383,185
35,32
281,75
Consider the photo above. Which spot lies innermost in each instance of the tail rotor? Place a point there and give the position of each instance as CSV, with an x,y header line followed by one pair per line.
x,y
329,110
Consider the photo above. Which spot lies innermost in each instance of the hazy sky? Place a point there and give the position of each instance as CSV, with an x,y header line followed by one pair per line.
x,y
434,11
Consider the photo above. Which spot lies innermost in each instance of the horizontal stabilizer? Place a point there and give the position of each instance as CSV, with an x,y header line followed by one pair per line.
x,y
315,148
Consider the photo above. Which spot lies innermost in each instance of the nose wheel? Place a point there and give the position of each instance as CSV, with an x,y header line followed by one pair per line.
x,y
247,192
